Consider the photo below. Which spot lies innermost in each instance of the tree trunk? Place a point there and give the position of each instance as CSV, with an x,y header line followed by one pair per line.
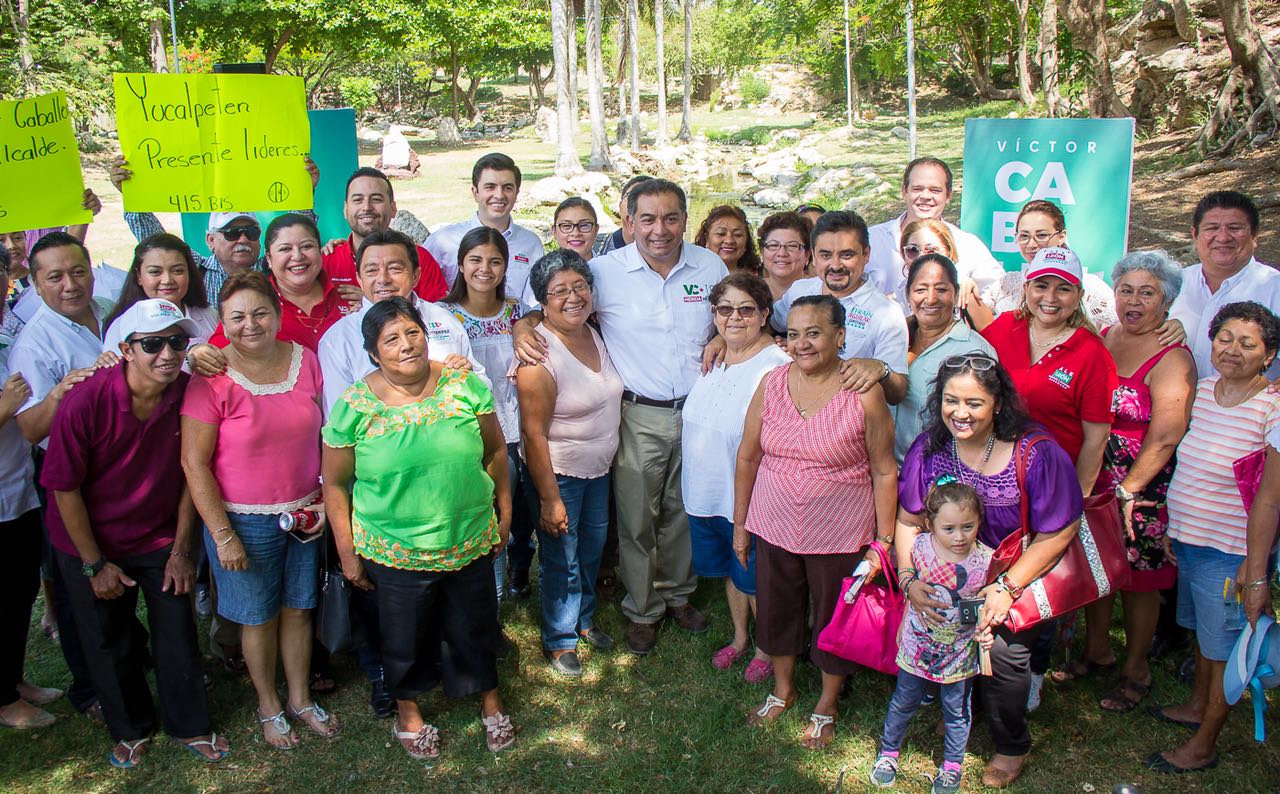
x,y
595,91
159,57
453,83
1087,20
633,45
620,78
1049,57
661,138
1025,95
540,84
272,52
21,19
1260,70
571,19
567,164
686,106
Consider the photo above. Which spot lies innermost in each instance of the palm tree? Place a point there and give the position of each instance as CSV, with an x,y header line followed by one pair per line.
x,y
633,23
595,91
686,132
571,19
566,156
659,22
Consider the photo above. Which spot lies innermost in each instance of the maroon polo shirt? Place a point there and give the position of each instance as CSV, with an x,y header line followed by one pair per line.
x,y
128,472
341,267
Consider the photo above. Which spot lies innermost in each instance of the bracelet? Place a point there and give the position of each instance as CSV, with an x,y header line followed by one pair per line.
x,y
911,579
225,542
1004,581
186,554
885,541
219,529
1256,583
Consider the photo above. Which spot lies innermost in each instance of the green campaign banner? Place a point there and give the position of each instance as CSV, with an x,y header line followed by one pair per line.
x,y
40,180
1085,166
335,152
213,142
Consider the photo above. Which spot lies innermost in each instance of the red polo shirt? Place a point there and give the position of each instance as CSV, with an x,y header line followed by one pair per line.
x,y
341,267
1072,383
129,472
299,326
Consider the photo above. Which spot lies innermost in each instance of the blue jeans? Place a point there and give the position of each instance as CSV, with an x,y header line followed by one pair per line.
x,y
956,719
568,563
520,547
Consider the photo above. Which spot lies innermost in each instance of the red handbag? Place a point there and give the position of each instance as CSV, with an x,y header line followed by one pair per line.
x,y
1094,565
865,629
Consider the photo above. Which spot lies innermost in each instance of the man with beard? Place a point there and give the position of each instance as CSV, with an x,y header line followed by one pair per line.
x,y
370,205
875,347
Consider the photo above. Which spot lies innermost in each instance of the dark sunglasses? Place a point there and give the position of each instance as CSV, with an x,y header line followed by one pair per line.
x,y
154,344
745,312
233,233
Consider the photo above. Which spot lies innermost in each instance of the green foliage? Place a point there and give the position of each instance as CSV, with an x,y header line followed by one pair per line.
x,y
358,92
752,88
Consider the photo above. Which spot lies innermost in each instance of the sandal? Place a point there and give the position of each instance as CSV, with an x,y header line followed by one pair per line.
x,y
1158,713
1126,696
133,758
321,683
499,733
1156,762
211,743
282,727
726,657
761,715
422,745
318,715
817,724
758,671
1080,668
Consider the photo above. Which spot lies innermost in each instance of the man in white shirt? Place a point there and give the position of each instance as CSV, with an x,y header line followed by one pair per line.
x,y
387,266
875,347
652,300
926,189
495,183
1224,227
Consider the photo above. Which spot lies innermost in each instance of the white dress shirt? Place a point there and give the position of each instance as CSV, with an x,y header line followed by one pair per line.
x,y
874,326
1196,306
49,347
974,260
524,248
17,470
655,328
343,359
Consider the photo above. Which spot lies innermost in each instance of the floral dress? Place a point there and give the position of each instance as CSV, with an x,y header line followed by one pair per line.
x,y
1132,405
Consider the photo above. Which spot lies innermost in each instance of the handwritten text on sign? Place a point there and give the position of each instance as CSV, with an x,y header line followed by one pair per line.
x,y
40,181
213,142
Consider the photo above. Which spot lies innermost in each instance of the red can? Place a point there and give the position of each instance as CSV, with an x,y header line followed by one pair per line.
x,y
299,520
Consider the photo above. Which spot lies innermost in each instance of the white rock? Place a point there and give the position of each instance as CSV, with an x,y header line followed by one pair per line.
x,y
551,190
786,179
900,132
773,198
809,156
395,149
589,182
447,132
544,125
367,134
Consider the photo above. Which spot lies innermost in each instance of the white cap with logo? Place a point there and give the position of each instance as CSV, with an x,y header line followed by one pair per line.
x,y
221,220
152,315
1053,261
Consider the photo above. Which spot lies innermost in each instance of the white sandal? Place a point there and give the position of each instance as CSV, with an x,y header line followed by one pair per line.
x,y
322,717
816,723
423,744
282,727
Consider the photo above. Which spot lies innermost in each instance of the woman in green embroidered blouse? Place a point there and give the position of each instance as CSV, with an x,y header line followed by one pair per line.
x,y
412,454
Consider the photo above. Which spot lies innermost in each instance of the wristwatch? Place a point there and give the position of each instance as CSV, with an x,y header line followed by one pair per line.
x,y
92,569
1123,495
887,373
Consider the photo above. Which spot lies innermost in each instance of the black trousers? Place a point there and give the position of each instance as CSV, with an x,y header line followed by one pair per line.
x,y
1004,692
437,626
24,544
116,655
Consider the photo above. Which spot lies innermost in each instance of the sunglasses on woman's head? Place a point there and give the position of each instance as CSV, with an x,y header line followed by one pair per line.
x,y
978,362
154,344
233,233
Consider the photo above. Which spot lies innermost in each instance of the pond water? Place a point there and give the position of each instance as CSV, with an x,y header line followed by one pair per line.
x,y
725,187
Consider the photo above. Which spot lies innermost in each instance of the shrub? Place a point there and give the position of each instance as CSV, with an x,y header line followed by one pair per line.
x,y
752,88
360,93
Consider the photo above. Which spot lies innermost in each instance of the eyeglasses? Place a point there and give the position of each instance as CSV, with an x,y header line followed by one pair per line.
x,y
560,293
233,233
978,362
154,344
585,227
1040,237
911,250
773,247
745,312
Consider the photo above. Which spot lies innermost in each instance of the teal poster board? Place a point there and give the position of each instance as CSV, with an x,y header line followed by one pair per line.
x,y
333,147
1085,166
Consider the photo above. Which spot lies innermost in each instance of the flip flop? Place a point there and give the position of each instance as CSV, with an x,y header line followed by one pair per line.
x,y
817,722
760,717
1158,713
212,744
421,745
1156,762
133,759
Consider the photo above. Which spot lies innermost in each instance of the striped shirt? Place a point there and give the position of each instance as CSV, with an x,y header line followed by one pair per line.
x,y
1205,508
813,491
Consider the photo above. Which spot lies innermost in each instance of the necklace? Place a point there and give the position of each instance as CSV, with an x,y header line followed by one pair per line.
x,y
982,464
1052,341
823,397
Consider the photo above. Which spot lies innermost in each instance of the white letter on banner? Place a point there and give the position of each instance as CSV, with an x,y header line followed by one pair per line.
x,y
1054,184
1003,232
1003,176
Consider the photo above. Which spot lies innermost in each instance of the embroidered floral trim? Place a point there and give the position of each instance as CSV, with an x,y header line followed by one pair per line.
x,y
263,389
281,507
384,419
375,546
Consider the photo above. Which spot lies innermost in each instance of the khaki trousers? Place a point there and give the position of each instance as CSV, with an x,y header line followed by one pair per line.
x,y
655,559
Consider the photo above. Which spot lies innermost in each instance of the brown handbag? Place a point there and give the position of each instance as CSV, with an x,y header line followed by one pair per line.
x,y
1094,565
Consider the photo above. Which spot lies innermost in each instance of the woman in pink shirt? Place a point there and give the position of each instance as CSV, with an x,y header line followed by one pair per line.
x,y
816,483
251,451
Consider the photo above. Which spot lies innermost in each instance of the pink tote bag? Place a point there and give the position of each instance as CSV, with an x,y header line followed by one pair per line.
x,y
864,630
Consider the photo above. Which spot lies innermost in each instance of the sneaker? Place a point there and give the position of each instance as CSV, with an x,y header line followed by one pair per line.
x,y
929,697
204,601
1033,694
885,772
947,781
688,618
380,699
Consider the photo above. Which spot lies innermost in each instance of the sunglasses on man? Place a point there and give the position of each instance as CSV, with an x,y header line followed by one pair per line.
x,y
154,344
233,233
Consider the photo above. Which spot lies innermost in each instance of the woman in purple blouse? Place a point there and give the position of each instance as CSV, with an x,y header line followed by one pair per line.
x,y
976,429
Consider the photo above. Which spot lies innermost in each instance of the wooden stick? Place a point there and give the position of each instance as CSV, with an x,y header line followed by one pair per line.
x,y
984,660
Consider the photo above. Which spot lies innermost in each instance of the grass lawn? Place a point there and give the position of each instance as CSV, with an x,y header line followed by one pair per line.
x,y
668,722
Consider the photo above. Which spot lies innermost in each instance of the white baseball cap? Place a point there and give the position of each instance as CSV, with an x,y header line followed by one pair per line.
x,y
154,314
221,220
1053,261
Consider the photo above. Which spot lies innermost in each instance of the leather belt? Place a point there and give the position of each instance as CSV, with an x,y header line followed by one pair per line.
x,y
632,397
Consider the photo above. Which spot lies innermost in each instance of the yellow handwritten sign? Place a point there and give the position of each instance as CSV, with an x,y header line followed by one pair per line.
x,y
40,181
213,142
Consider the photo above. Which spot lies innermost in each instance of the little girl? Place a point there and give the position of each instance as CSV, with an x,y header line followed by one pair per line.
x,y
935,647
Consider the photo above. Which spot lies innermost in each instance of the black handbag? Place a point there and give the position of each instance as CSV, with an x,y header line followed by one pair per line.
x,y
333,607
